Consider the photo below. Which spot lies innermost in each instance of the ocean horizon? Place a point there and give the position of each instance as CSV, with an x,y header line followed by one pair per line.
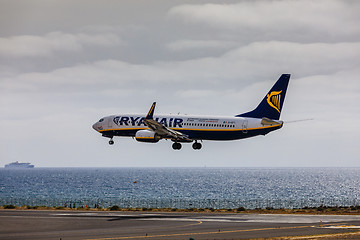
x,y
169,187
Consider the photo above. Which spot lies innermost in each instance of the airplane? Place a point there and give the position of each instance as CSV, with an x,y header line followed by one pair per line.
x,y
152,128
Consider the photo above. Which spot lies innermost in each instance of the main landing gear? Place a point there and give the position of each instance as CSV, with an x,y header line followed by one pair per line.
x,y
177,146
196,146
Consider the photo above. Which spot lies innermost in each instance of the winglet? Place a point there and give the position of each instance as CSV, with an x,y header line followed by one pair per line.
x,y
151,111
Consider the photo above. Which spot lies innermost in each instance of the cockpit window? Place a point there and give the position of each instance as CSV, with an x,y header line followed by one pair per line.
x,y
101,120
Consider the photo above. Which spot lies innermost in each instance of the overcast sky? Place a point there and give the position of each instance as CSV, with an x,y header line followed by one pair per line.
x,y
65,64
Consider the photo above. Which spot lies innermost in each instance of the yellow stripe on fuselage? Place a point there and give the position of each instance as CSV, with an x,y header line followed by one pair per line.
x,y
122,129
226,129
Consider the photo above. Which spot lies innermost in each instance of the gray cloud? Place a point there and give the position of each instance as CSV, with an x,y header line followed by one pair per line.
x,y
327,20
58,77
230,68
47,45
188,44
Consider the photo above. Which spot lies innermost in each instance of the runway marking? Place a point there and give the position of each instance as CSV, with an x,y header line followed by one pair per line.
x,y
186,225
314,237
344,227
197,233
191,224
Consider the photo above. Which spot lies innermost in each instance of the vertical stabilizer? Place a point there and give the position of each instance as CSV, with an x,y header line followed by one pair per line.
x,y
271,106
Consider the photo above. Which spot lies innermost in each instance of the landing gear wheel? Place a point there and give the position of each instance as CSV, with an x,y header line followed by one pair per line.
x,y
111,142
176,146
196,146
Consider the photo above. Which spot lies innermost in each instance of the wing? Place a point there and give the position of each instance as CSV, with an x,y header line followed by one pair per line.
x,y
162,130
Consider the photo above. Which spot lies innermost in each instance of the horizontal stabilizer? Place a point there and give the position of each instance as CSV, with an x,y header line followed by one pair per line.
x,y
270,122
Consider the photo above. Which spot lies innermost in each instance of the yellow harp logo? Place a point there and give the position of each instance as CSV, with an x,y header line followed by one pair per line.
x,y
274,99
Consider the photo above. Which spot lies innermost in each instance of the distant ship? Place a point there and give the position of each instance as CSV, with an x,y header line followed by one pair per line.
x,y
19,165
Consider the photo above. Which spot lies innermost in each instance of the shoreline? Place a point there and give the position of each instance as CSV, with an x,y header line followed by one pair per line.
x,y
322,210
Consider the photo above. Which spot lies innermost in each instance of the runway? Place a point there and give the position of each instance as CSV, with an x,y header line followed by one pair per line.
x,y
67,225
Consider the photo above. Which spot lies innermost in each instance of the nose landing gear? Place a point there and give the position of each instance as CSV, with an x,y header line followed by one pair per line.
x,y
111,142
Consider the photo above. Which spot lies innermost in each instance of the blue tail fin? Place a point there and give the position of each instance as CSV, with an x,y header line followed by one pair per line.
x,y
271,105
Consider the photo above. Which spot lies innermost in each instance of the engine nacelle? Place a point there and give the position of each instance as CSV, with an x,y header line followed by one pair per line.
x,y
147,136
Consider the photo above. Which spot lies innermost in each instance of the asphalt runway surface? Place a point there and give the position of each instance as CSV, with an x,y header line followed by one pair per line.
x,y
74,225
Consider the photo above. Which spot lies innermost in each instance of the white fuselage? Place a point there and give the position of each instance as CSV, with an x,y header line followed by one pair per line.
x,y
196,127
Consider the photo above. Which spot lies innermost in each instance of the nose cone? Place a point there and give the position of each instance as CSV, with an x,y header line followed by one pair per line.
x,y
99,125
96,126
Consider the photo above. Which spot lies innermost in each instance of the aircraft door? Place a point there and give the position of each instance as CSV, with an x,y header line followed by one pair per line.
x,y
245,126
109,122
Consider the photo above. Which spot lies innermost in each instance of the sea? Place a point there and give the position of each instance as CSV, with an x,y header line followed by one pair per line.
x,y
181,188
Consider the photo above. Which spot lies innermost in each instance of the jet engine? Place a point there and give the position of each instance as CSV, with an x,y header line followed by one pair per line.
x,y
147,136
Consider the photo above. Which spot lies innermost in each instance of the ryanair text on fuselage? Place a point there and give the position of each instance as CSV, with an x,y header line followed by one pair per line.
x,y
183,128
139,121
